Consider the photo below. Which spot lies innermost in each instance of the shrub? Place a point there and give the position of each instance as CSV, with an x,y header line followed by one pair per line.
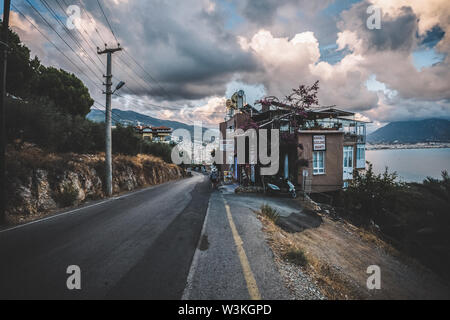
x,y
270,213
40,122
296,256
369,196
161,150
68,196
414,217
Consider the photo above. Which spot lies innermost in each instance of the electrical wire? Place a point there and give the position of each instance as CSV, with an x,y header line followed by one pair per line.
x,y
75,40
92,20
92,41
107,21
70,47
56,47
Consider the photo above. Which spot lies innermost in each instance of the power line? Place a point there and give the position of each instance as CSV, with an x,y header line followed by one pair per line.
x,y
145,81
70,47
56,47
62,52
135,61
102,105
140,101
75,40
118,121
92,49
92,20
132,71
70,60
148,73
107,21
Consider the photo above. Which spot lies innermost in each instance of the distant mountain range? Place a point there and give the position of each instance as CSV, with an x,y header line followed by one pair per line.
x,y
133,118
430,130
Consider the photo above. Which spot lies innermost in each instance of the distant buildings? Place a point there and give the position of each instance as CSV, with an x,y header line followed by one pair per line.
x,y
321,156
155,134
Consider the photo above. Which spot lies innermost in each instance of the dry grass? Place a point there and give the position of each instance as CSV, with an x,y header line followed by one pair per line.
x,y
269,212
331,284
337,255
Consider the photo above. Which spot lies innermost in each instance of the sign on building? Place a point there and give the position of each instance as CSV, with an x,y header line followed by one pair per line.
x,y
227,145
319,143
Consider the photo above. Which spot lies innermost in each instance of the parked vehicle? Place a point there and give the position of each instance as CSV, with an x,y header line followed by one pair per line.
x,y
281,186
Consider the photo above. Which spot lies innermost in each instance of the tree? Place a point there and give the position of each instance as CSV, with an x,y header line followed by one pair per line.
x,y
68,92
21,70
28,79
298,103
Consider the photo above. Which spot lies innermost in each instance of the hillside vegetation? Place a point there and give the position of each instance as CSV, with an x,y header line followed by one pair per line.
x,y
414,217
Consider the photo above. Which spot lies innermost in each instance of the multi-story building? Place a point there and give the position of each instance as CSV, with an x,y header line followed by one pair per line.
x,y
333,144
154,134
321,156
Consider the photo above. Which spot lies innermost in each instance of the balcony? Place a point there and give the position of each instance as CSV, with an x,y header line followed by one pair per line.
x,y
351,137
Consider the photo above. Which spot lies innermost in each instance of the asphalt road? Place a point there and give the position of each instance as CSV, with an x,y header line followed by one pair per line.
x,y
234,260
138,246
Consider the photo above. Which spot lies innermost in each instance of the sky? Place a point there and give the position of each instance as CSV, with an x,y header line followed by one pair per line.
x,y
193,54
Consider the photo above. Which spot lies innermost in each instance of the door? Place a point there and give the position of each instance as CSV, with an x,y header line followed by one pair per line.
x,y
348,163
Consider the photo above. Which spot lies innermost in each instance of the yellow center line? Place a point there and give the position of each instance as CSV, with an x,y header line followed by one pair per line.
x,y
248,274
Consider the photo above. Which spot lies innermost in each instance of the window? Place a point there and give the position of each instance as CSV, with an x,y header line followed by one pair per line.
x,y
319,162
361,156
348,157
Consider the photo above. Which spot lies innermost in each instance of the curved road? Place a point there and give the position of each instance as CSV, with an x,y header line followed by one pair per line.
x,y
137,246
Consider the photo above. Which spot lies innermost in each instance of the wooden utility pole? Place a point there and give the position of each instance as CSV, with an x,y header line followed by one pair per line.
x,y
3,68
108,152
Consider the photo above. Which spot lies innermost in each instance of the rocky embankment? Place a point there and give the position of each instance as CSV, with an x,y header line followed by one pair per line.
x,y
40,182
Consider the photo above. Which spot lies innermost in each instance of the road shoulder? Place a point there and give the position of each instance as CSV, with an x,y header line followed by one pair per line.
x,y
219,271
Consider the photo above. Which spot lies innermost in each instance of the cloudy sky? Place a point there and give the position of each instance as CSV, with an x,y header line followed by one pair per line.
x,y
195,53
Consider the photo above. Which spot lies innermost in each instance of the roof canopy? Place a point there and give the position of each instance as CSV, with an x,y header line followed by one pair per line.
x,y
332,112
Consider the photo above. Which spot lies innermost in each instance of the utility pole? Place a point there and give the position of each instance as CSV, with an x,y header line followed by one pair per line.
x,y
108,152
3,68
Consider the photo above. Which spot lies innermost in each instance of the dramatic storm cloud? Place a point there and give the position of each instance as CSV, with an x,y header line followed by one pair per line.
x,y
198,51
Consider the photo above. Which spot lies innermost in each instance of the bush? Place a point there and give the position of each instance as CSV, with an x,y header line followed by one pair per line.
x,y
369,195
414,217
296,256
161,150
40,122
125,141
270,213
68,197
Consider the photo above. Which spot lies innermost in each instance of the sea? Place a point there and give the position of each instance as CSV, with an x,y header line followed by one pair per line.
x,y
411,165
